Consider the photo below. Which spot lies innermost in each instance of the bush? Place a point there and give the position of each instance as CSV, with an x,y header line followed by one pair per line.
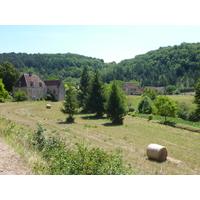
x,y
145,105
150,117
80,160
2,100
20,96
50,97
192,116
183,110
85,161
130,109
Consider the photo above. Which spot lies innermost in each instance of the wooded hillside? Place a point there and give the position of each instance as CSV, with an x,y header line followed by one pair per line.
x,y
177,65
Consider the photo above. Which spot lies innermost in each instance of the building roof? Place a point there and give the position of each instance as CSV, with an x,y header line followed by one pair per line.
x,y
133,85
29,80
156,88
52,83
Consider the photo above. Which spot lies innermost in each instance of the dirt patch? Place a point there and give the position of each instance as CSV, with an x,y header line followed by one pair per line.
x,y
173,160
11,163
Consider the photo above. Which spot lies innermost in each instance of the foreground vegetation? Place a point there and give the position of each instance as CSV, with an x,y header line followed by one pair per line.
x,y
131,139
55,158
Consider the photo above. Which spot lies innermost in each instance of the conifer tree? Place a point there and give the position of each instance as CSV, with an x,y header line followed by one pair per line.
x,y
197,100
115,106
84,85
70,105
95,98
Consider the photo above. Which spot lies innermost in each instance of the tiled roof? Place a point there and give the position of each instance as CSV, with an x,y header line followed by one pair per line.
x,y
134,86
52,83
156,88
29,80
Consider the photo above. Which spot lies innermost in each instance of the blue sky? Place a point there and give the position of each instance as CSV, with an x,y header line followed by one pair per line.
x,y
108,42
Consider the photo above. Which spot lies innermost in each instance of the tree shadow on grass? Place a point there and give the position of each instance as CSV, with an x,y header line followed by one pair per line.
x,y
168,123
111,124
94,117
66,122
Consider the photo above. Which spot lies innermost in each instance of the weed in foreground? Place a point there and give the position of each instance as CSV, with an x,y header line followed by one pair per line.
x,y
81,160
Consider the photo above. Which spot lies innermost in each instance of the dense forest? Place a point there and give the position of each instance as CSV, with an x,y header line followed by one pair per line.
x,y
177,65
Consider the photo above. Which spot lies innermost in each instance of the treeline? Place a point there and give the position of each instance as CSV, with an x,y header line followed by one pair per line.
x,y
177,65
51,65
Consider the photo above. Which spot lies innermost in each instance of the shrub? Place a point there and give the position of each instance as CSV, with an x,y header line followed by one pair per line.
x,y
2,100
80,160
20,96
145,105
50,97
3,91
183,110
150,117
38,138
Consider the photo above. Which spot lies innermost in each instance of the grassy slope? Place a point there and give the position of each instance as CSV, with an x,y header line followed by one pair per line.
x,y
133,137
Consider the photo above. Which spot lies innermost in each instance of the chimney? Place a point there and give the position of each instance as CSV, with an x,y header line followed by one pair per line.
x,y
30,73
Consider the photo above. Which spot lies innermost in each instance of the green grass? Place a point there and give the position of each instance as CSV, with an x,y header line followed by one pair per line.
x,y
171,119
134,100
132,137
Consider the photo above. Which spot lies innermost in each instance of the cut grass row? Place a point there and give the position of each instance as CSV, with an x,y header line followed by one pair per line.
x,y
133,137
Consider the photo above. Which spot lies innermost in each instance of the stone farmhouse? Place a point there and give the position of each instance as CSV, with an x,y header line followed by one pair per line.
x,y
35,88
131,89
161,90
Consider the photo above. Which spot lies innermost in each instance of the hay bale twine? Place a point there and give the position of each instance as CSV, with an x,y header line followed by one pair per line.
x,y
48,106
156,151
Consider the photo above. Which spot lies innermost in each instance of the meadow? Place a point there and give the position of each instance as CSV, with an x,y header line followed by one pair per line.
x,y
132,138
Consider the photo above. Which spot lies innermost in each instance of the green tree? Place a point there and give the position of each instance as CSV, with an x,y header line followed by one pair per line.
x,y
9,74
151,93
170,89
197,99
70,105
20,96
95,98
3,91
115,106
145,105
165,106
84,85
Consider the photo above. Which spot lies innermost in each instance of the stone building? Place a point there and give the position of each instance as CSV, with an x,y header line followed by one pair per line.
x,y
35,88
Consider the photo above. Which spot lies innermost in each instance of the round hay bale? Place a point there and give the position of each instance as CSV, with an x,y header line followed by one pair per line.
x,y
156,151
48,106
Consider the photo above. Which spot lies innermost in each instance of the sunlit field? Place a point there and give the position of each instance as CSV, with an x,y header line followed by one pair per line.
x,y
132,137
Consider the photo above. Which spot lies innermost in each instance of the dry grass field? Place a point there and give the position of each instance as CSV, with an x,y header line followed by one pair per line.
x,y
133,137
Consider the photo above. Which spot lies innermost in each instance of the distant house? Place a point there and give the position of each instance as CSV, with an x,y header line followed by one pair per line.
x,y
56,88
131,89
35,88
157,89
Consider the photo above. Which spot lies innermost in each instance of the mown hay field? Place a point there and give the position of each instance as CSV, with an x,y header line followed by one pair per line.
x,y
134,99
133,137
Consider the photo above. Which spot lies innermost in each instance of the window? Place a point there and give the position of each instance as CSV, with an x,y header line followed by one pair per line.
x,y
40,84
31,84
